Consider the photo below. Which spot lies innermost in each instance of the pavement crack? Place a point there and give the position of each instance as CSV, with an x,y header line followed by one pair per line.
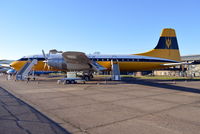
x,y
53,129
16,120
22,128
10,112
139,116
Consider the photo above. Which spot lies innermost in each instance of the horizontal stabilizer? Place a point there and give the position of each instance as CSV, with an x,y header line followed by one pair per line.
x,y
177,64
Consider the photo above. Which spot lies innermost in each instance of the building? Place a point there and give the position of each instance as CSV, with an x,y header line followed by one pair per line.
x,y
192,70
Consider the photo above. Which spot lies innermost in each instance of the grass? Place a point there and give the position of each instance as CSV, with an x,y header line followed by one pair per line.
x,y
167,77
155,77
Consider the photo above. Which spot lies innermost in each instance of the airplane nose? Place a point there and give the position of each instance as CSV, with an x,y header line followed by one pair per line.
x,y
13,64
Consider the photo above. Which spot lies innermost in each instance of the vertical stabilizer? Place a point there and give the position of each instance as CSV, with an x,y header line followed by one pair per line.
x,y
167,46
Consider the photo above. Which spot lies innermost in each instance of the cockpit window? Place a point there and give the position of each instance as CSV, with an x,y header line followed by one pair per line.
x,y
23,59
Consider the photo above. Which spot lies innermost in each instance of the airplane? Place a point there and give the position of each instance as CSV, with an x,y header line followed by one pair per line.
x,y
3,70
165,54
6,68
4,65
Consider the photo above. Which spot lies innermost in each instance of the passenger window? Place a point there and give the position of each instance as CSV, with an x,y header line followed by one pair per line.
x,y
105,59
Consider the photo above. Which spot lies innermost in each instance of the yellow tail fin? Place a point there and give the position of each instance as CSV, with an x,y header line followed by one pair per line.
x,y
167,46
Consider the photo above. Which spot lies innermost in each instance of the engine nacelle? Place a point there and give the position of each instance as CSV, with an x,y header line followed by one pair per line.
x,y
59,63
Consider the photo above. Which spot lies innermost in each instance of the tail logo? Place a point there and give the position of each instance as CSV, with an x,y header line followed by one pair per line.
x,y
168,42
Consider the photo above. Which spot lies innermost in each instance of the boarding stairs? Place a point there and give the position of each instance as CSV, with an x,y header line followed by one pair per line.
x,y
23,73
115,71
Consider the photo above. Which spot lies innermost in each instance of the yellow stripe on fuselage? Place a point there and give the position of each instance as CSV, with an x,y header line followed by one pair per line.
x,y
124,66
134,66
40,66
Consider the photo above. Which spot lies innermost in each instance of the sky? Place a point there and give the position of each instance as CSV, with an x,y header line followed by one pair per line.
x,y
105,26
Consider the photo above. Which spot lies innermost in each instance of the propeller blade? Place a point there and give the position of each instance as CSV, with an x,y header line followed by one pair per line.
x,y
44,54
45,66
45,61
48,67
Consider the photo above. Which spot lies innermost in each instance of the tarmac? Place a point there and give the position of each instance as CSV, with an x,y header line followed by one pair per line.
x,y
101,107
17,117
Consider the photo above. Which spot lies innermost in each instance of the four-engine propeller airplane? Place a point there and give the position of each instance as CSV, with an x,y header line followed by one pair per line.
x,y
165,54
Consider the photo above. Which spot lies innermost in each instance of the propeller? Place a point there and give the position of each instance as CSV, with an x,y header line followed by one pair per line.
x,y
46,66
44,54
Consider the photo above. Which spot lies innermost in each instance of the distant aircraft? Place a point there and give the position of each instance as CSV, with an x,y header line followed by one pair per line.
x,y
11,71
4,65
3,70
164,55
5,61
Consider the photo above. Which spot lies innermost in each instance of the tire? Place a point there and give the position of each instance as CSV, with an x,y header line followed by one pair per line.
x,y
87,78
73,82
68,82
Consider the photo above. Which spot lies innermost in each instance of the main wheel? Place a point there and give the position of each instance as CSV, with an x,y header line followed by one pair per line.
x,y
72,81
87,78
68,82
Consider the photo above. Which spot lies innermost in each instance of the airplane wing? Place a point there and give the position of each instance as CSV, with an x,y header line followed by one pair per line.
x,y
76,61
75,57
79,61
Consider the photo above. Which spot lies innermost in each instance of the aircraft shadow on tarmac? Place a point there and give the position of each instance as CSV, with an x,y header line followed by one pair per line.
x,y
170,85
165,84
